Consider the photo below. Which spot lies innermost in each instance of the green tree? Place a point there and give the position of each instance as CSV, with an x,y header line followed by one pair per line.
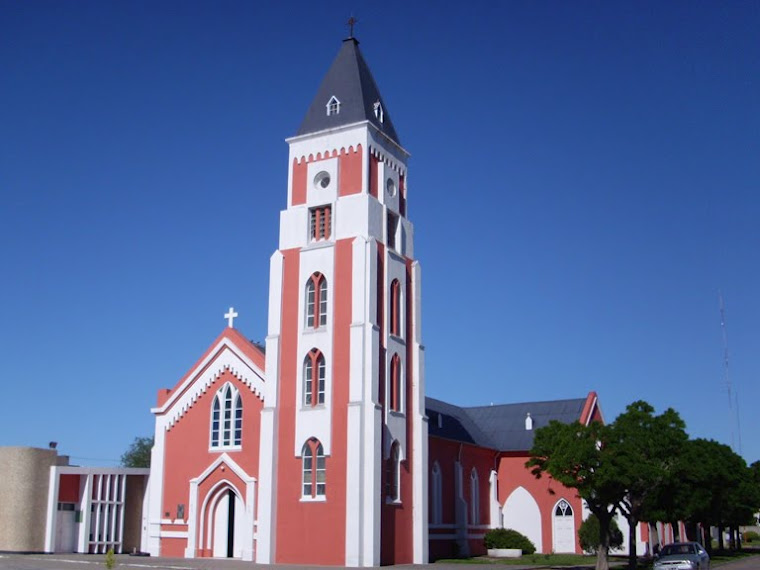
x,y
138,453
579,457
715,487
645,453
588,535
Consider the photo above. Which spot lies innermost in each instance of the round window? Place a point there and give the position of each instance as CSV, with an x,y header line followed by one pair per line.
x,y
390,187
322,180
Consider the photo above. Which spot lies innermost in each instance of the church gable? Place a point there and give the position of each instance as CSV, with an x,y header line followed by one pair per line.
x,y
232,355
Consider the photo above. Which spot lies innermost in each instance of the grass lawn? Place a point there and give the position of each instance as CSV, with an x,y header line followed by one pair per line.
x,y
528,559
579,561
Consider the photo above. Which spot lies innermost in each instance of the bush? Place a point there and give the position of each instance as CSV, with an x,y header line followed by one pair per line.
x,y
588,535
110,559
508,538
751,536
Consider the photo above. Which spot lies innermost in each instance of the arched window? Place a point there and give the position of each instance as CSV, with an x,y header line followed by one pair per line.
x,y
474,497
314,378
316,301
314,478
395,308
395,383
393,474
563,509
226,418
436,489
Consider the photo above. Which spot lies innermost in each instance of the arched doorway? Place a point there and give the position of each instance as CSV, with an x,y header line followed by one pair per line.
x,y
226,522
521,513
563,527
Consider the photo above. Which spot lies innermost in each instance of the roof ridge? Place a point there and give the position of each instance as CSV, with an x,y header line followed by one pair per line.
x,y
524,403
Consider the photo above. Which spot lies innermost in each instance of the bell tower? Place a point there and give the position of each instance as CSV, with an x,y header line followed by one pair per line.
x,y
343,458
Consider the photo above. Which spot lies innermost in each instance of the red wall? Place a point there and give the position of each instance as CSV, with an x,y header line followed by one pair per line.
x,y
373,165
350,165
447,453
187,444
313,532
298,195
68,489
186,451
546,492
350,171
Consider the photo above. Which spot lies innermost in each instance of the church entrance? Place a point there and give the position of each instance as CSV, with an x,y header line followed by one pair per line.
x,y
563,524
228,523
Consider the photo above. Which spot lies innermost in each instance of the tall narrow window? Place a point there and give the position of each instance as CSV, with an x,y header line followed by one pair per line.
x,y
474,497
227,418
319,223
314,378
395,384
391,230
314,473
393,473
395,308
316,301
436,500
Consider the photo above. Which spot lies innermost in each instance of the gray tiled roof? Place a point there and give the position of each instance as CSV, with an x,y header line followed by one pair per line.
x,y
500,427
350,81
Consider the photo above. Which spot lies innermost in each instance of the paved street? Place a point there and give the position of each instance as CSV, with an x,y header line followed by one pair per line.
x,y
96,562
124,562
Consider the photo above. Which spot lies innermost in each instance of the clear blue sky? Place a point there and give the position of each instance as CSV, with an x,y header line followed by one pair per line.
x,y
584,180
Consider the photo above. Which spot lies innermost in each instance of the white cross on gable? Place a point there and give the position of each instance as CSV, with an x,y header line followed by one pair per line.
x,y
230,316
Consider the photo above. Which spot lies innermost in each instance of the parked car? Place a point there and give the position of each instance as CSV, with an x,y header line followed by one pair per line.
x,y
682,556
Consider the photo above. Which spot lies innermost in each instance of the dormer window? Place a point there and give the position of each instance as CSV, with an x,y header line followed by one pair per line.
x,y
378,108
333,106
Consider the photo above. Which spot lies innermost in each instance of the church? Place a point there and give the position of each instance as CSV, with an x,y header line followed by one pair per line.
x,y
320,446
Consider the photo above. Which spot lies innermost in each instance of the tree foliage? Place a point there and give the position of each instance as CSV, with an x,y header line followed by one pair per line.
x,y
579,457
644,466
588,535
645,451
138,453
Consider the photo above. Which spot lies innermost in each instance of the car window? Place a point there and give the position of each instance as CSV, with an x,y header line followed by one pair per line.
x,y
671,549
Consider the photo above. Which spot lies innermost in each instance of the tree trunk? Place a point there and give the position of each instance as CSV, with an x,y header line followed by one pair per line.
x,y
602,555
633,522
654,539
707,535
720,538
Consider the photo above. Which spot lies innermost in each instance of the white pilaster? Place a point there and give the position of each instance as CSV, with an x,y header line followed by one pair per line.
x,y
155,491
52,510
266,519
494,509
419,422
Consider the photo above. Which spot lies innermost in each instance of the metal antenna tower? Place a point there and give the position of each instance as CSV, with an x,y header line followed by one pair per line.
x,y
733,398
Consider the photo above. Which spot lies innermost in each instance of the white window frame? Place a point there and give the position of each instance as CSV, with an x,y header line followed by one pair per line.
x,y
310,478
316,301
333,106
394,461
320,223
314,387
230,436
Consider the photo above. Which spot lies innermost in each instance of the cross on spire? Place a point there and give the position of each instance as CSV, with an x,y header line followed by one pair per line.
x,y
230,316
350,23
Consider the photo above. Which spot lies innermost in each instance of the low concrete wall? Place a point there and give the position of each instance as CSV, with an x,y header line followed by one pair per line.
x,y
24,482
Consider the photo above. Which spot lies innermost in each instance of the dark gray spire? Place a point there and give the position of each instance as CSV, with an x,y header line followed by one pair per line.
x,y
356,96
